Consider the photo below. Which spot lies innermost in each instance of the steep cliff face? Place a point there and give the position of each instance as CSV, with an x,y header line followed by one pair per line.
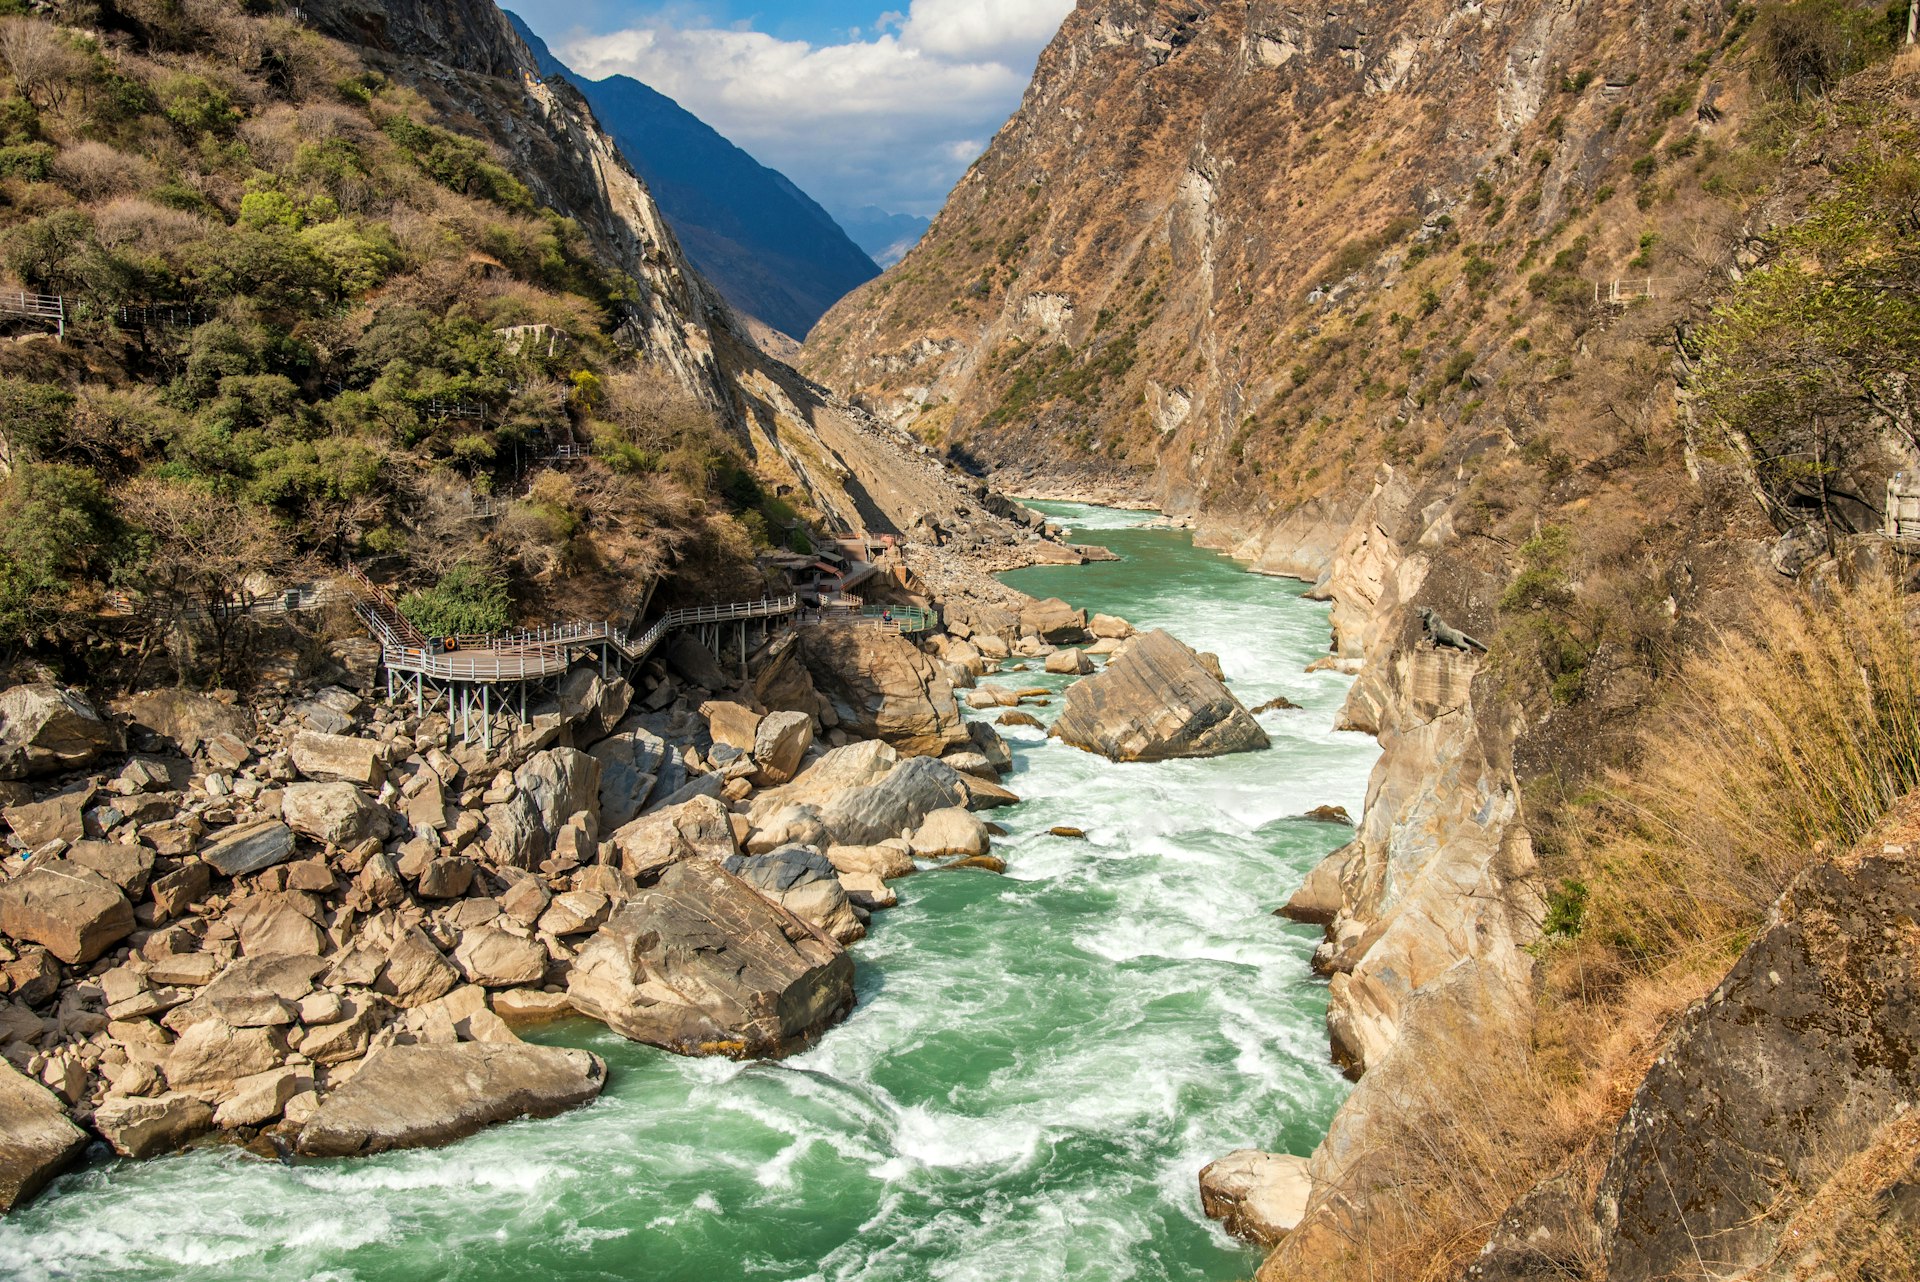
x,y
1215,230
857,473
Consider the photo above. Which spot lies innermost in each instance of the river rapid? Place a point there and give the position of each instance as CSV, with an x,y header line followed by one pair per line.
x,y
1037,1069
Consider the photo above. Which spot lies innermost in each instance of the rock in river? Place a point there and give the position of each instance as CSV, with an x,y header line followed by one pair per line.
x,y
422,1096
1155,702
701,964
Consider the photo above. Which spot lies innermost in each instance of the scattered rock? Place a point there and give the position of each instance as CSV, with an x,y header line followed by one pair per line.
x,y
61,817
990,863
701,964
474,1085
1054,621
1155,702
495,959
258,1100
144,1127
332,758
337,814
1072,663
128,867
630,766
953,831
1280,704
1072,834
415,971
806,884
700,828
1019,718
780,746
1108,627
188,718
911,791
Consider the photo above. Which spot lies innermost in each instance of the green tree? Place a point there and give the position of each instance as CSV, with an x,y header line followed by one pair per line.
x,y
59,536
469,600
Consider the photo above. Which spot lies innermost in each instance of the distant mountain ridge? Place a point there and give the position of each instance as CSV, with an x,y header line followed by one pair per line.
x,y
885,236
768,247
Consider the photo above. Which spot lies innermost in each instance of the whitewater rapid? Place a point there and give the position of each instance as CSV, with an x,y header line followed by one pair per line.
x,y
1038,1066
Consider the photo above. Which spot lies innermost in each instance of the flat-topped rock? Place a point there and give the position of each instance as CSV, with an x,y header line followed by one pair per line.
x,y
69,909
701,964
425,1096
1258,1197
1154,702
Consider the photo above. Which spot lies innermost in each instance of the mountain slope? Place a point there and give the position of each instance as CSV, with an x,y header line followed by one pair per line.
x,y
772,251
1583,328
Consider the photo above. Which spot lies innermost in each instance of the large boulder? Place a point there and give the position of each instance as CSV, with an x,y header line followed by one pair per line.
x,y
854,766
72,911
333,758
780,745
138,1127
882,687
630,765
560,782
1054,621
496,959
187,718
593,704
212,1055
422,1096
1155,702
45,729
702,964
1258,1197
337,814
911,791
61,817
731,723
806,884
955,831
700,828
37,1140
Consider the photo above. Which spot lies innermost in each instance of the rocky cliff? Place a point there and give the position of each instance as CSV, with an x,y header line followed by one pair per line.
x,y
856,472
1351,287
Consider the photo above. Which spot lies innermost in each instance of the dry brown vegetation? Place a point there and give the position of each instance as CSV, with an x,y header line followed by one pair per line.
x,y
1774,746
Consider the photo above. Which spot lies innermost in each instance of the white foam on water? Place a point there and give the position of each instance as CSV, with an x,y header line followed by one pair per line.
x,y
1037,1070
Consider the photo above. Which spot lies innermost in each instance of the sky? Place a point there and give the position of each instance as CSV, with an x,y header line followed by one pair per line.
x,y
860,102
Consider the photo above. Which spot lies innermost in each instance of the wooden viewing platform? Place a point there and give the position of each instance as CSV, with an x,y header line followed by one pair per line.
x,y
465,670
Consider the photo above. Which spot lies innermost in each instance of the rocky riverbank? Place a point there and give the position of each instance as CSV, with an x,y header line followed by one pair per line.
x,y
270,922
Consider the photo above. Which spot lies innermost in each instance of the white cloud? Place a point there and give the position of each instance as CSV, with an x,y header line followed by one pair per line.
x,y
890,120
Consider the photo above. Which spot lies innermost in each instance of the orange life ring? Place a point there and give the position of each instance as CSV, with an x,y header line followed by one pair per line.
x,y
450,644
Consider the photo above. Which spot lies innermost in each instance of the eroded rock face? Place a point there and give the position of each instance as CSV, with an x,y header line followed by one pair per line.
x,y
701,964
806,884
912,790
37,1141
45,729
424,1096
1803,1053
1154,702
74,912
882,687
188,718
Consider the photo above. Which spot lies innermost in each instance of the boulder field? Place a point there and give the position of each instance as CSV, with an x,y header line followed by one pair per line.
x,y
276,921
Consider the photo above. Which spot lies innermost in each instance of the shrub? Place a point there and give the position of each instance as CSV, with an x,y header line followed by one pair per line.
x,y
469,600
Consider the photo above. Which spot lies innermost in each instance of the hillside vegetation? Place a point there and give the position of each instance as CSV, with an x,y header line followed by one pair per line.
x,y
307,321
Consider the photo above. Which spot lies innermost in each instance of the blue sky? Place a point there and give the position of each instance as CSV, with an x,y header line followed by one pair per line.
x,y
860,102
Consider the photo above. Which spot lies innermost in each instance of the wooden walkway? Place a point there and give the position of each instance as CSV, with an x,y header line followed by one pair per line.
x,y
467,671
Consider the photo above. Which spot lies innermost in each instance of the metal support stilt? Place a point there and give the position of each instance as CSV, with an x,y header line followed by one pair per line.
x,y
486,719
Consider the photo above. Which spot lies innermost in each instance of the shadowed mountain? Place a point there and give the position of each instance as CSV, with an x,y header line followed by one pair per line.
x,y
772,251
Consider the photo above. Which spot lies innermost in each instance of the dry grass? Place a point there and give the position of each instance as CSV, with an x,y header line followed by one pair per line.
x,y
1771,748
1774,747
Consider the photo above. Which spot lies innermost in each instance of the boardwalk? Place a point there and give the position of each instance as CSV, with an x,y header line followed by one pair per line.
x,y
466,670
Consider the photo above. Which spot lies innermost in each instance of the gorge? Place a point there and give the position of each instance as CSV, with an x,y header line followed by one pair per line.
x,y
1583,330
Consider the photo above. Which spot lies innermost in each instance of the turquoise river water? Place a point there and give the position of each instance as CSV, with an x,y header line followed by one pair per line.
x,y
1037,1069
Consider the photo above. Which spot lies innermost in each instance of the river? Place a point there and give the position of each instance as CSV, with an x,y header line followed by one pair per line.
x,y
1037,1069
